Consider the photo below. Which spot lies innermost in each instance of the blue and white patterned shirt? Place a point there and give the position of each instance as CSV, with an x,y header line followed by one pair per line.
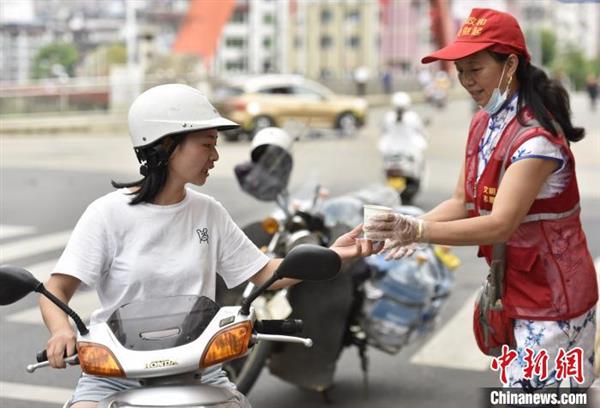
x,y
536,147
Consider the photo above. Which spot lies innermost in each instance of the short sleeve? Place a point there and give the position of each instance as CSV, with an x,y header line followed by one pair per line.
x,y
540,147
238,258
87,254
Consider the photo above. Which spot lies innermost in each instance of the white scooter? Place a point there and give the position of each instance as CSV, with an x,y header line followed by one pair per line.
x,y
403,152
167,343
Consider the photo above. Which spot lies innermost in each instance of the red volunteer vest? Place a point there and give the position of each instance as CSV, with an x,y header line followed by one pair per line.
x,y
549,271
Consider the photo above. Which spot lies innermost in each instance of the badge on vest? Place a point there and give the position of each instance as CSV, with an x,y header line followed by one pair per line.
x,y
489,194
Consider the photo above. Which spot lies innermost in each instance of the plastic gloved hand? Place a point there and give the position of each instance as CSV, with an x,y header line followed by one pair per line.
x,y
397,251
399,229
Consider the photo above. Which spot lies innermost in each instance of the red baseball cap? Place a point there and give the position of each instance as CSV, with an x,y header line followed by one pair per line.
x,y
484,29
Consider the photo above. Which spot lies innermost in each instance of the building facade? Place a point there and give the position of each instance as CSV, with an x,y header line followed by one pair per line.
x,y
331,39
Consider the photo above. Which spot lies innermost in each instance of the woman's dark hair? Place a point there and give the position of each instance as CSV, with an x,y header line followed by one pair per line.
x,y
547,99
154,168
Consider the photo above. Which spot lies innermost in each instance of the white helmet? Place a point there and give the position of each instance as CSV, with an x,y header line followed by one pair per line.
x,y
170,109
401,100
272,136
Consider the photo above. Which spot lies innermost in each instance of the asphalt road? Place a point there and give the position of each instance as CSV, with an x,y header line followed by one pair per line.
x,y
47,181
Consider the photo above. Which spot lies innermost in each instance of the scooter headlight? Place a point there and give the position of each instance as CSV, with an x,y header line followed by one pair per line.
x,y
96,359
227,344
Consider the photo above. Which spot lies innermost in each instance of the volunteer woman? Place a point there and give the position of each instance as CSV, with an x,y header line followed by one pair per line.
x,y
155,237
550,287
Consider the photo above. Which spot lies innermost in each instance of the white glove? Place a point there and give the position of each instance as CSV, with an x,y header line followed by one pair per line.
x,y
397,251
399,229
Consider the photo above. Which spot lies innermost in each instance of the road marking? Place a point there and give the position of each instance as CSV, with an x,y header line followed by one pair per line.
x,y
40,393
33,246
42,270
454,346
9,231
84,303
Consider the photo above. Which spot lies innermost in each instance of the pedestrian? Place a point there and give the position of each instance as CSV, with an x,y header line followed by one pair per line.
x,y
517,192
402,115
157,237
591,86
361,77
386,80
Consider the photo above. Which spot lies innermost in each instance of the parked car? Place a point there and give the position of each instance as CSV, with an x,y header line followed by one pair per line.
x,y
272,100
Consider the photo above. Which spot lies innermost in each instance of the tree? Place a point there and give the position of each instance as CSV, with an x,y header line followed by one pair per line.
x,y
50,58
99,61
574,63
548,39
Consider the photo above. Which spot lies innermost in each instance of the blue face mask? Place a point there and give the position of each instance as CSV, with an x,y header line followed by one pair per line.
x,y
497,99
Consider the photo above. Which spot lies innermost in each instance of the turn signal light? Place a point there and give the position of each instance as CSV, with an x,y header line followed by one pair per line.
x,y
227,344
98,360
270,225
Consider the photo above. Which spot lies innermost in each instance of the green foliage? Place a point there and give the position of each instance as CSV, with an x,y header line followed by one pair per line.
x,y
577,67
55,54
548,39
99,61
594,66
116,54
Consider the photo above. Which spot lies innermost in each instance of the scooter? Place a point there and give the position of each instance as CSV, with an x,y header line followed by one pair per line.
x,y
403,152
167,343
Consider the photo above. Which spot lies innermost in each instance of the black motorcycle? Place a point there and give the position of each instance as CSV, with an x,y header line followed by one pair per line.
x,y
372,302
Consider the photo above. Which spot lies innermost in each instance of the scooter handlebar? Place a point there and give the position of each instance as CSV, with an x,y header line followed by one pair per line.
x,y
42,356
284,327
42,361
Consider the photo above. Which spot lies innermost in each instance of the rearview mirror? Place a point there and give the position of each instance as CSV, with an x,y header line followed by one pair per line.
x,y
16,283
309,262
304,262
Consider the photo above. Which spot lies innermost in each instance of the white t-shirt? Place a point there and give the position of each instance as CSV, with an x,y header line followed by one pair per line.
x,y
132,253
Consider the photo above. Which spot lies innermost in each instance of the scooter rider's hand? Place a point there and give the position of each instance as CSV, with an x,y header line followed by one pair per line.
x,y
351,245
398,229
61,340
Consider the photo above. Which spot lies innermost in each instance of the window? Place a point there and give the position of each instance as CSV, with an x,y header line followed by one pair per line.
x,y
326,42
353,16
268,18
353,42
326,15
239,16
297,42
234,42
235,65
307,93
267,42
325,73
276,90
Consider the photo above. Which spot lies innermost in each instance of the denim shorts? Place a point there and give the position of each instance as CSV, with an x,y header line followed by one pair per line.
x,y
94,388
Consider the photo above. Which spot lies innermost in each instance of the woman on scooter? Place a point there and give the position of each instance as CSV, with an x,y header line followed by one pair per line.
x,y
156,237
549,285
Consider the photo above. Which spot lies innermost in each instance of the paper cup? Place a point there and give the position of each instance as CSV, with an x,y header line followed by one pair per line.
x,y
371,210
